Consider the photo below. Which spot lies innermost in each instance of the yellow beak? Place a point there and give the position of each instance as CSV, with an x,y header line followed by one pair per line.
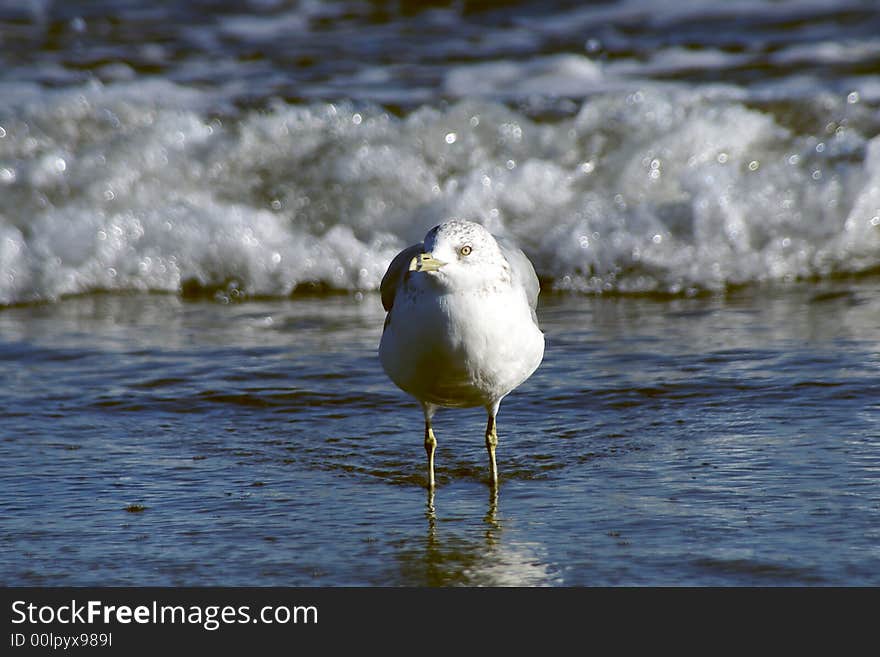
x,y
425,262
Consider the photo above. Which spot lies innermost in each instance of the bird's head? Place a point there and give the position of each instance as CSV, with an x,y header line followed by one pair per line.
x,y
462,254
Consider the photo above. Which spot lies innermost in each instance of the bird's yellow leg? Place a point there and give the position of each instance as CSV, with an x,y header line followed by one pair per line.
x,y
491,443
430,446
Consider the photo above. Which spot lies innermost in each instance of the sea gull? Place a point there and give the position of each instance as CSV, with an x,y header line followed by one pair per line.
x,y
461,329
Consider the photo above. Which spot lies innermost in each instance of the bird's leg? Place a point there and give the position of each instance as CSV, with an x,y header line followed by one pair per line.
x,y
430,442
491,443
430,446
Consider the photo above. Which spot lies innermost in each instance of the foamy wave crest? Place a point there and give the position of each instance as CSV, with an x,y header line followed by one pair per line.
x,y
556,75
134,187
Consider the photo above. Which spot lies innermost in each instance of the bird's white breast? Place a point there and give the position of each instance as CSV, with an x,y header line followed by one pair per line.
x,y
456,348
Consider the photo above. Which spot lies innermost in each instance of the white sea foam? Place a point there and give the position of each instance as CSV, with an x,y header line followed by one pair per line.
x,y
556,75
660,189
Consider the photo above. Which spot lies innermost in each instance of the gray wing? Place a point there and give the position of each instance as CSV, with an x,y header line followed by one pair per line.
x,y
522,272
396,270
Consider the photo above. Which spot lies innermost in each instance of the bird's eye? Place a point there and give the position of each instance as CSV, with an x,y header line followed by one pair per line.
x,y
466,250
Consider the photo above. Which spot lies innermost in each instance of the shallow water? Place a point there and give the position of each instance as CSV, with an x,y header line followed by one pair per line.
x,y
152,441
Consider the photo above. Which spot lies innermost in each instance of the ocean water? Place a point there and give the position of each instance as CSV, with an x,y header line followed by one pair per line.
x,y
198,201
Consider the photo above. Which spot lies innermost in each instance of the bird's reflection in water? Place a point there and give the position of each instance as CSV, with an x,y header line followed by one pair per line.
x,y
431,515
491,517
493,525
456,552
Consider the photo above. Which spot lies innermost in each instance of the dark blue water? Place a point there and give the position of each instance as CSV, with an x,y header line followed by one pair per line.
x,y
148,440
198,201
